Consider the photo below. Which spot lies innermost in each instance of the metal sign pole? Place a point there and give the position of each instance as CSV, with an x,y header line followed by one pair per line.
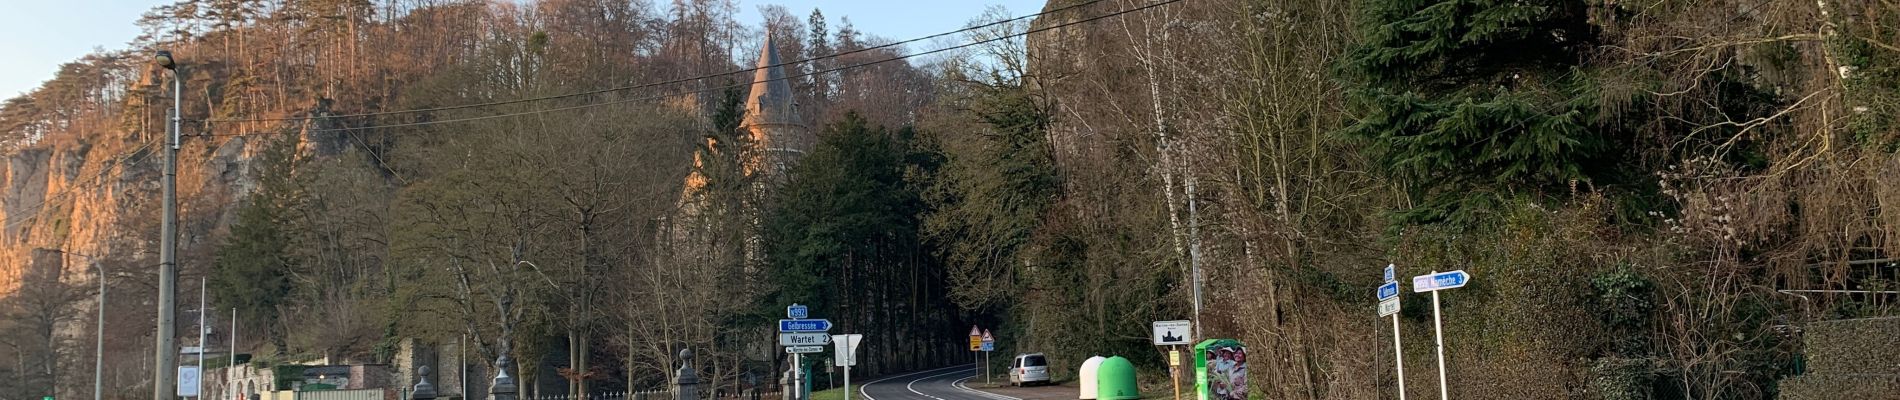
x,y
848,360
1398,352
1174,369
1438,331
797,378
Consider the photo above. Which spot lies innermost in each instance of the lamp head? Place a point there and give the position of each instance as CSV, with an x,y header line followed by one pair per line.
x,y
164,59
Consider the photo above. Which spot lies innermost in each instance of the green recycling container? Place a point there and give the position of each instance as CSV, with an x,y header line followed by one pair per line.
x,y
1115,380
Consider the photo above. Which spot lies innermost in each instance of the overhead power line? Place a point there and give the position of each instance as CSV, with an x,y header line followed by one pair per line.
x,y
722,87
673,81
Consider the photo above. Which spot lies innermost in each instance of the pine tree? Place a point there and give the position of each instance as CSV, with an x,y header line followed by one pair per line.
x,y
1462,98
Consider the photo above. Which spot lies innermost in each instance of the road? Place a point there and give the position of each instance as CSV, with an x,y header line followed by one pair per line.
x,y
936,384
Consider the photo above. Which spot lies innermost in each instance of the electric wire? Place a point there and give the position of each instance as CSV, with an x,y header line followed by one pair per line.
x,y
672,81
714,88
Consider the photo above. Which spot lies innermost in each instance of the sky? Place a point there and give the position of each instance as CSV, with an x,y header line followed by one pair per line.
x,y
36,36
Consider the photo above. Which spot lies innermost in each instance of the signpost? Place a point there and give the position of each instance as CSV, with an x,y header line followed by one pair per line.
x,y
789,339
800,336
1389,307
1434,282
846,356
804,325
1173,334
989,345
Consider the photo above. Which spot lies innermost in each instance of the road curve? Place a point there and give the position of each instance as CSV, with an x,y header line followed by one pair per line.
x,y
936,384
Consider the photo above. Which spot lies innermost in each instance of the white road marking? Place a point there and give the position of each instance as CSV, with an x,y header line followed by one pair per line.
x,y
867,395
960,386
912,386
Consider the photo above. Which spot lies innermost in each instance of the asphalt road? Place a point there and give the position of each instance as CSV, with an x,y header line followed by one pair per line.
x,y
936,384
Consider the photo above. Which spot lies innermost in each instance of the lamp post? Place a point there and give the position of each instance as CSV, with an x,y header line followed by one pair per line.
x,y
164,372
99,337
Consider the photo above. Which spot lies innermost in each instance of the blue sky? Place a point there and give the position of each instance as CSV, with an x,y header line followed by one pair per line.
x,y
36,36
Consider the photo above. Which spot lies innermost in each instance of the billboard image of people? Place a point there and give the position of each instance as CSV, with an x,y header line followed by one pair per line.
x,y
1220,367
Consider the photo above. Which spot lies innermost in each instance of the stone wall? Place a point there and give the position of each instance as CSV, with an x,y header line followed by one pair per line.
x,y
1849,359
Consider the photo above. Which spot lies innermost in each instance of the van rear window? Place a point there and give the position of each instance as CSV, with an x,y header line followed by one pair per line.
x,y
1034,361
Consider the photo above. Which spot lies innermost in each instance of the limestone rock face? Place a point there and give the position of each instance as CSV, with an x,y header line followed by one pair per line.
x,y
92,192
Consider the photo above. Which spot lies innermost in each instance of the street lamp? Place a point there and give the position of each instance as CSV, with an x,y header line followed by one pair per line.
x,y
164,376
164,59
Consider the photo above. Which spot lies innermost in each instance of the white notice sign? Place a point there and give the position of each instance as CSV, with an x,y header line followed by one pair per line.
x,y
188,381
1388,306
1168,333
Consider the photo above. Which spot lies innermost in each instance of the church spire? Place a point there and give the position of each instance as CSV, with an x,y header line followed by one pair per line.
x,y
770,102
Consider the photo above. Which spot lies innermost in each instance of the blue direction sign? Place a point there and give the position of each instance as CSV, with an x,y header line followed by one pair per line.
x,y
1388,290
804,325
1440,281
797,311
1389,276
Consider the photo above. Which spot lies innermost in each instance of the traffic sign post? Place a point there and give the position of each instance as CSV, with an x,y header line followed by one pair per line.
x,y
800,335
846,356
1434,282
1173,334
1389,307
989,345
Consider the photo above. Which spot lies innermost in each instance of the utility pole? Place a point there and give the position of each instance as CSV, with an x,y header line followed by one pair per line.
x,y
230,368
203,325
165,369
99,353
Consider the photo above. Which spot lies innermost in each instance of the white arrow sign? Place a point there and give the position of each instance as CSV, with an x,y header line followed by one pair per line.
x,y
804,349
804,339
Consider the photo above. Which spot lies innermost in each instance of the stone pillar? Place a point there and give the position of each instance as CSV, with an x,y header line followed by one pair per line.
x,y
424,390
686,387
504,386
785,384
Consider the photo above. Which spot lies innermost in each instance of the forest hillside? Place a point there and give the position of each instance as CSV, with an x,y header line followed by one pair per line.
x,y
1655,198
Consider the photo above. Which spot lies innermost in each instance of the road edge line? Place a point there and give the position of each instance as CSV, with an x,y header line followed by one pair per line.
x,y
984,393
867,396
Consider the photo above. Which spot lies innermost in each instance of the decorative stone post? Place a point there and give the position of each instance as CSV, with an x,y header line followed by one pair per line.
x,y
785,385
504,386
424,390
686,387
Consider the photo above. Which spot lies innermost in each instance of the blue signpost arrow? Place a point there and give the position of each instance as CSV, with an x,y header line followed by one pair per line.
x,y
804,325
1388,290
1435,282
1440,281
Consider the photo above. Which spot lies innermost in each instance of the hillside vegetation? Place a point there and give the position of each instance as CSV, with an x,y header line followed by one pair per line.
x,y
1645,191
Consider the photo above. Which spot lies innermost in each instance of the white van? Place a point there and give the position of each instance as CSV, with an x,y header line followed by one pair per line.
x,y
1029,369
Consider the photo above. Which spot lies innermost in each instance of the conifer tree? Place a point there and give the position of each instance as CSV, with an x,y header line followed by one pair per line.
x,y
1469,101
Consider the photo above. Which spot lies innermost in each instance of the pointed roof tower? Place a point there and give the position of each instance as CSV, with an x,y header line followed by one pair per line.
x,y
770,102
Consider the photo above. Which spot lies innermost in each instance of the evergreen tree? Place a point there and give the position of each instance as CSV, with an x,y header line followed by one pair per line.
x,y
1462,98
253,267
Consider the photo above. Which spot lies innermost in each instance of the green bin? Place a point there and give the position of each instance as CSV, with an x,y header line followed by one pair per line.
x,y
1115,380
